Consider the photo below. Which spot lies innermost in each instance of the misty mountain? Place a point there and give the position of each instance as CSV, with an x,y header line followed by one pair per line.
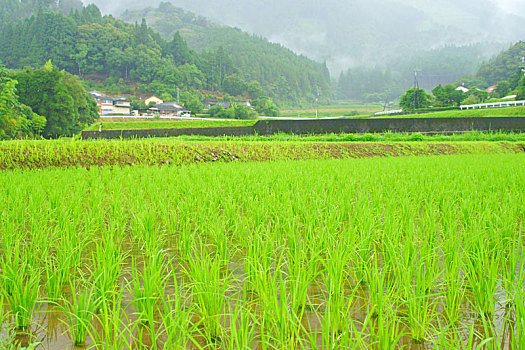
x,y
347,33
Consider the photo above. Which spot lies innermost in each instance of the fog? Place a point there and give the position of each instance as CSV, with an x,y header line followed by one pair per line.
x,y
346,33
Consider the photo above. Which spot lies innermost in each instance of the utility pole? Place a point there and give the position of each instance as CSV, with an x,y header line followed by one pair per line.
x,y
317,104
416,89
178,96
523,67
387,99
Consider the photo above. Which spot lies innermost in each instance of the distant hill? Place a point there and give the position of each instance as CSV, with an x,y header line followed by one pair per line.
x,y
376,44
504,66
133,58
349,33
274,66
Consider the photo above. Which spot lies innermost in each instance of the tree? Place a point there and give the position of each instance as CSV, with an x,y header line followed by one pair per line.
x,y
502,89
59,97
265,106
16,119
448,95
520,94
255,90
241,111
234,85
192,101
422,99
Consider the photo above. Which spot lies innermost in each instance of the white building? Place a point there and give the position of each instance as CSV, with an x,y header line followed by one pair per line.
x,y
108,105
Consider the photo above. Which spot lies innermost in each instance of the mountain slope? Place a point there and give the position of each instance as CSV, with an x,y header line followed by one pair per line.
x,y
347,33
505,66
132,56
277,68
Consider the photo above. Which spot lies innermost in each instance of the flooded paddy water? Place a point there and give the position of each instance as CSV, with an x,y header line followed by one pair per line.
x,y
406,253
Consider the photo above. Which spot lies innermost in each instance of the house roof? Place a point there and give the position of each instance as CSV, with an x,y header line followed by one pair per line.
x,y
226,104
100,96
168,107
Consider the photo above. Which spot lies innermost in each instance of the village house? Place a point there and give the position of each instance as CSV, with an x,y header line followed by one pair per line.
x,y
153,100
211,103
492,88
108,105
168,108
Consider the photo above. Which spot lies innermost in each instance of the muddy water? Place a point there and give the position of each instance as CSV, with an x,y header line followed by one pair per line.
x,y
50,324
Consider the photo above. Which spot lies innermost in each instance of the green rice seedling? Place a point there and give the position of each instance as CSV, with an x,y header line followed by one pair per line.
x,y
106,262
518,330
148,232
79,311
346,333
453,285
146,286
115,328
176,317
482,268
335,279
258,261
22,296
242,325
379,291
55,277
71,245
280,325
209,286
419,278
385,332
303,269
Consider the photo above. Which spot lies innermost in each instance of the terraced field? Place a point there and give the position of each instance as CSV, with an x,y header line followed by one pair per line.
x,y
262,245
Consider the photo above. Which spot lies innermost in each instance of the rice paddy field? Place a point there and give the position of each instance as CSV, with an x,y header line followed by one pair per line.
x,y
376,252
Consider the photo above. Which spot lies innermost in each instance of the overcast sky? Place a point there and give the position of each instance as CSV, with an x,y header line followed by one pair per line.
x,y
512,6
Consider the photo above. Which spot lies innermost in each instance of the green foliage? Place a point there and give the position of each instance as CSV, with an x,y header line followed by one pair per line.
x,y
104,48
16,119
448,95
520,92
505,66
235,111
219,111
59,97
266,107
241,111
286,77
235,85
410,102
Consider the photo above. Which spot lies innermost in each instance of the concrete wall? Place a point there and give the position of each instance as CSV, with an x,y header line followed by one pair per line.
x,y
351,126
401,125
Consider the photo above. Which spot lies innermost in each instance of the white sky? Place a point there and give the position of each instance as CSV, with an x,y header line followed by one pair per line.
x,y
511,5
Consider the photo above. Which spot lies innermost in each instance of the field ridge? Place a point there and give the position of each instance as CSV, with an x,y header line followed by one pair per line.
x,y
45,154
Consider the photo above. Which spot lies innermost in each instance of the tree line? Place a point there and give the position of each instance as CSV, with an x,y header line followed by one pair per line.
x,y
44,102
128,57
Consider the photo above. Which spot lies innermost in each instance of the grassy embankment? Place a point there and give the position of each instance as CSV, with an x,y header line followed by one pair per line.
x,y
472,113
417,253
128,124
353,110
61,153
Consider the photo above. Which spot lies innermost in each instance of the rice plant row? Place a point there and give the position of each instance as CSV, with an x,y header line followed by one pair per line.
x,y
31,154
383,253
